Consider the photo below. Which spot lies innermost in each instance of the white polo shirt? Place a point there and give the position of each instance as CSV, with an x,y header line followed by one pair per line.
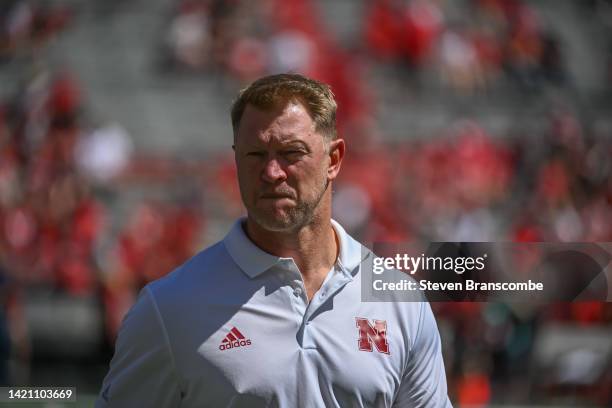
x,y
232,327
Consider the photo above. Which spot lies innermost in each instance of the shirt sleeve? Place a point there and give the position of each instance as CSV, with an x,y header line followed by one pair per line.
x,y
424,380
142,371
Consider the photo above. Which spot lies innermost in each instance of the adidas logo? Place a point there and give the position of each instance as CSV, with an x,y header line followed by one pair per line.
x,y
234,339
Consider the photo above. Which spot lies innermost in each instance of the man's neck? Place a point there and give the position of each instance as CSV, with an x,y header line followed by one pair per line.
x,y
314,248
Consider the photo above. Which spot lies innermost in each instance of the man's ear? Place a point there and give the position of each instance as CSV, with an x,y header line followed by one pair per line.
x,y
337,148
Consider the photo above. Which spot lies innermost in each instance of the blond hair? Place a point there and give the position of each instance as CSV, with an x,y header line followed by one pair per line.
x,y
275,90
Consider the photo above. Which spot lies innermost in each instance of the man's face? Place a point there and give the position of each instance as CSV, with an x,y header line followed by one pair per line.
x,y
283,166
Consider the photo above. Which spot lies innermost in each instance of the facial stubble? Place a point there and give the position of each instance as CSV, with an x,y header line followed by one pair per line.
x,y
296,217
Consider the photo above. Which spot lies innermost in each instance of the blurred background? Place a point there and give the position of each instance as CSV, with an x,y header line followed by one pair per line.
x,y
466,120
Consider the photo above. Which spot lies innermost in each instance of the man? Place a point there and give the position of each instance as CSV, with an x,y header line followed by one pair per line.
x,y
272,315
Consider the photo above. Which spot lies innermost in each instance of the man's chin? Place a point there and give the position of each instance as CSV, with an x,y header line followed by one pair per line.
x,y
276,223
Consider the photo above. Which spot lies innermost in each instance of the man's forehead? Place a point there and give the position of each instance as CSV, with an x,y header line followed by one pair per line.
x,y
290,121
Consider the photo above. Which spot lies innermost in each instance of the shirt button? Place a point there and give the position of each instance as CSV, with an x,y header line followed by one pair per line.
x,y
297,292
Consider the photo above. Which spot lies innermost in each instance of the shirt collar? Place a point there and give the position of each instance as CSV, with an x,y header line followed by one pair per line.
x,y
254,261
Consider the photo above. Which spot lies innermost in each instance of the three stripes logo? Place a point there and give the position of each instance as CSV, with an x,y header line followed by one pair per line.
x,y
234,339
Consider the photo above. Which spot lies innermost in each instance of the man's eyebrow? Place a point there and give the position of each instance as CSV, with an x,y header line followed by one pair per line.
x,y
282,143
289,143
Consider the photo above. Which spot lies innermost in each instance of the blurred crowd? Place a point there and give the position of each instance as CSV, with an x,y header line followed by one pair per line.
x,y
58,233
471,45
62,174
26,27
500,38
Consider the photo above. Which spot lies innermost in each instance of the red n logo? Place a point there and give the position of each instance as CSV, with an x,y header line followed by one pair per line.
x,y
369,334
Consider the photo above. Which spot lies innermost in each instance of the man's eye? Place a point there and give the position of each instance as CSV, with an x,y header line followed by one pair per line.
x,y
256,154
293,153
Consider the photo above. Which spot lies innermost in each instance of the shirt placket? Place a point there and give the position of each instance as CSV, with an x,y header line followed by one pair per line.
x,y
296,290
307,311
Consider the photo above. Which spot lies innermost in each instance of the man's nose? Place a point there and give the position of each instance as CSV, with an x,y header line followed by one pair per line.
x,y
273,171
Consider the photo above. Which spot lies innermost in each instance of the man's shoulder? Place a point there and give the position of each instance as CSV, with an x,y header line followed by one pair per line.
x,y
195,271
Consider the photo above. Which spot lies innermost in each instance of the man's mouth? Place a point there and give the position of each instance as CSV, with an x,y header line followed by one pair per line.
x,y
276,197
